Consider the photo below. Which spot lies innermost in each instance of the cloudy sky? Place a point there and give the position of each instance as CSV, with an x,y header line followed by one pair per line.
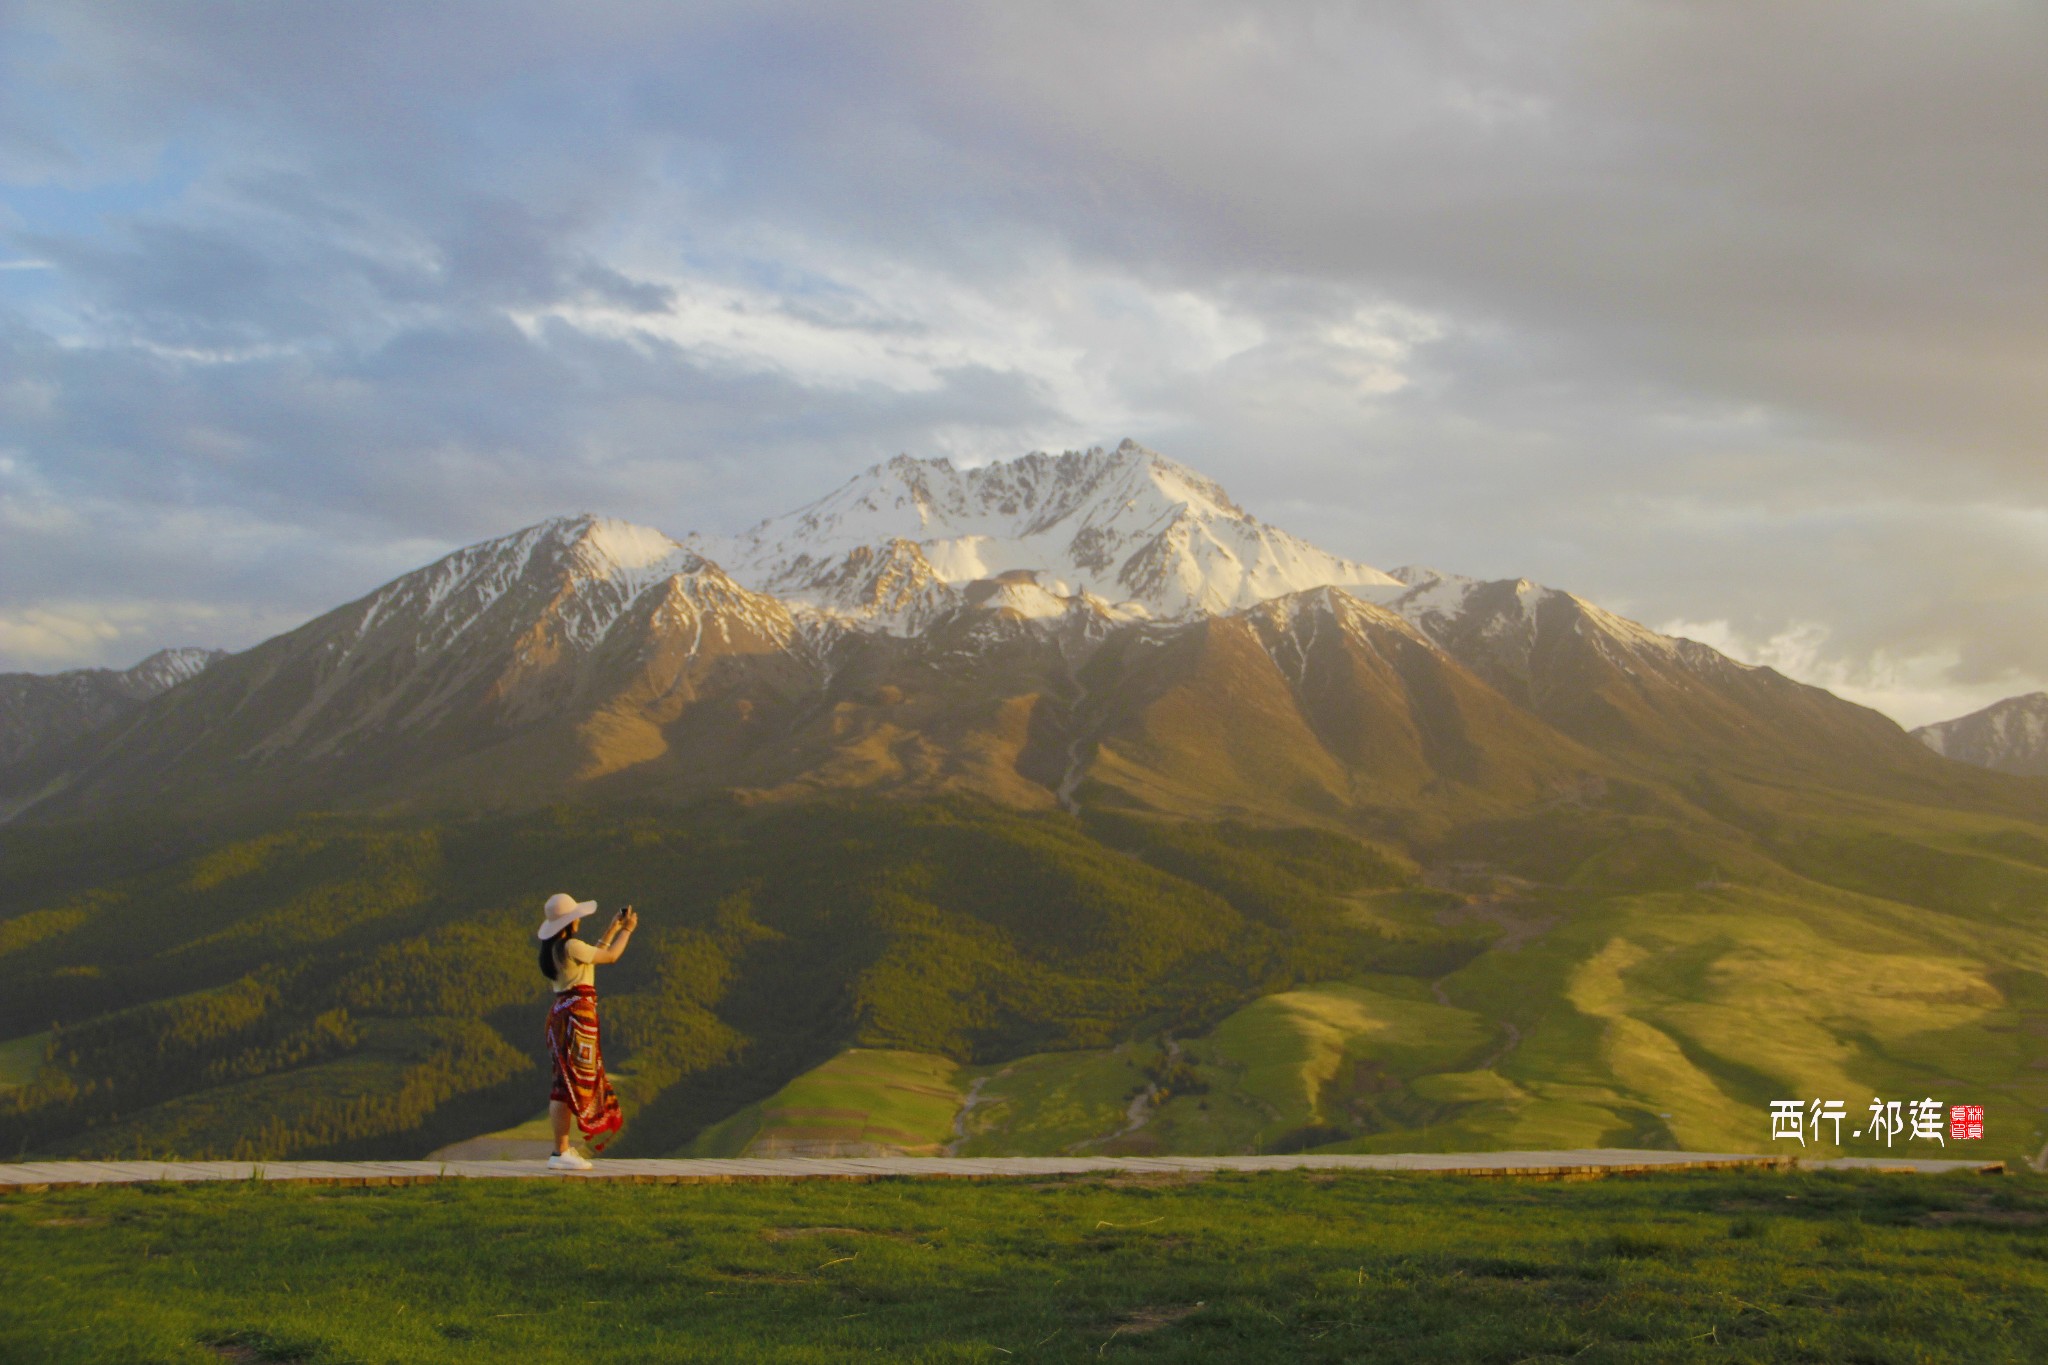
x,y
1730,316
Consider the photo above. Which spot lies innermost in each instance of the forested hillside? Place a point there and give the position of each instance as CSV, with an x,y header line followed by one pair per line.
x,y
342,986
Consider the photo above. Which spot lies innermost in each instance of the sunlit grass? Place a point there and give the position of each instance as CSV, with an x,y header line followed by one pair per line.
x,y
863,1098
1054,1102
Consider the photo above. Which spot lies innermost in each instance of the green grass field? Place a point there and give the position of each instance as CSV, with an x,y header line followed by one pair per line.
x,y
1298,1267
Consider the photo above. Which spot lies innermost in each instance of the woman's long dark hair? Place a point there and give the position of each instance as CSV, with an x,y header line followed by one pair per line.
x,y
551,951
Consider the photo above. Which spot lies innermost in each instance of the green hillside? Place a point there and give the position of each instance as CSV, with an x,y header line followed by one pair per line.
x,y
1620,968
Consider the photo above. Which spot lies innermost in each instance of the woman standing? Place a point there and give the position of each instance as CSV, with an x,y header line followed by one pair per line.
x,y
580,1091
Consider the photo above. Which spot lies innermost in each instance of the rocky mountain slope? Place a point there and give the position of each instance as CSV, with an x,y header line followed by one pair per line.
x,y
2011,736
47,710
503,671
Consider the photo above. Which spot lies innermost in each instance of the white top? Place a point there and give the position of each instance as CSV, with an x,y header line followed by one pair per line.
x,y
579,967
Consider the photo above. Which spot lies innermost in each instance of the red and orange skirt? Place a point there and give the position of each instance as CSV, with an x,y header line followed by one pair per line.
x,y
580,1081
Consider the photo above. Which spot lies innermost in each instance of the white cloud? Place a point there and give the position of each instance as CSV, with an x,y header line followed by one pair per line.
x,y
1916,689
1112,353
87,634
1708,314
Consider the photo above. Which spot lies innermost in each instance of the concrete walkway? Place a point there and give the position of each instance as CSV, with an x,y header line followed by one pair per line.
x,y
37,1176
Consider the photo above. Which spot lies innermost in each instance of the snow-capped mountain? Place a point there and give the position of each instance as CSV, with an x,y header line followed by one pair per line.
x,y
523,628
1128,529
1123,535
47,709
555,590
2011,736
511,668
1505,613
1019,630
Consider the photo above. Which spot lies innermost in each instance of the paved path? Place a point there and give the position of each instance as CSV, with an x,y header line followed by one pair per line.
x,y
37,1176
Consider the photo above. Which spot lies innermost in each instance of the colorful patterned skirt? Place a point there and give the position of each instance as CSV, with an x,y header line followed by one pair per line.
x,y
580,1081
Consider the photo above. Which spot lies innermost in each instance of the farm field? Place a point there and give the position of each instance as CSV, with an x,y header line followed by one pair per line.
x,y
1824,1266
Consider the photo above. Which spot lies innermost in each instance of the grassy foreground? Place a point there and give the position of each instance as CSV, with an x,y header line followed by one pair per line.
x,y
1823,1267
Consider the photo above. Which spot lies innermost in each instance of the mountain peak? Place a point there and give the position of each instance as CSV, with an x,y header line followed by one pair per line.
x,y
2009,735
590,568
1146,534
599,547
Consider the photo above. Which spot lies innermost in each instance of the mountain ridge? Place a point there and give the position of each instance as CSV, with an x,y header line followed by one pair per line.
x,y
40,710
588,653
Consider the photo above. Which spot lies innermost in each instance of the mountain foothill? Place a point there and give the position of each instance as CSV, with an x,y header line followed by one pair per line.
x,y
1052,805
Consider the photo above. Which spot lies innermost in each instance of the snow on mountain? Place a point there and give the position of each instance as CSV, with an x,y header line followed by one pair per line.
x,y
2011,735
590,570
1499,622
1079,544
1076,544
1019,593
1431,600
40,710
167,668
1290,626
1147,537
519,622
919,619
1123,534
890,586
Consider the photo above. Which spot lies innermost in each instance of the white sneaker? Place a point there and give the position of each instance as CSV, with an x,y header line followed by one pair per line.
x,y
568,1161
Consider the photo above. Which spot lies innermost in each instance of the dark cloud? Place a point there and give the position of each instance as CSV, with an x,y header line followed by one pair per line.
x,y
1727,315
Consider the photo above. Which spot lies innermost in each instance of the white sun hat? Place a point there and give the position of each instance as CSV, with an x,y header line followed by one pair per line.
x,y
560,909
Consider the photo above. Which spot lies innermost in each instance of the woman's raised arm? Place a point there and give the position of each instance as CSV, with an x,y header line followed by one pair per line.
x,y
615,938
